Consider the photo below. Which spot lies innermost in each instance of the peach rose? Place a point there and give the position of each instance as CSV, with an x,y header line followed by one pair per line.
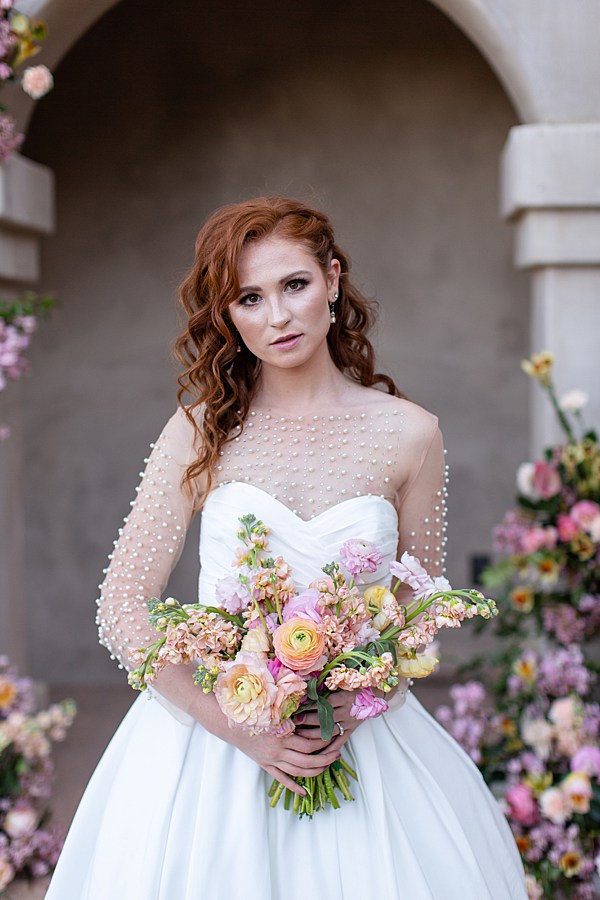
x,y
246,692
7,872
555,805
299,644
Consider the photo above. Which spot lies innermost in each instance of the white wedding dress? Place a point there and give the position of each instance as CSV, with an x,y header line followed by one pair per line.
x,y
173,812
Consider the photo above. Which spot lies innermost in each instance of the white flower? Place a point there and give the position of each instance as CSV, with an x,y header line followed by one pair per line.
x,y
525,487
20,822
37,81
537,733
555,805
573,401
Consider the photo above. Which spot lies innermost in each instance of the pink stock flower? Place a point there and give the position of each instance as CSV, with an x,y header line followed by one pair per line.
x,y
308,605
584,513
410,571
521,804
587,759
360,556
567,528
546,480
367,705
231,595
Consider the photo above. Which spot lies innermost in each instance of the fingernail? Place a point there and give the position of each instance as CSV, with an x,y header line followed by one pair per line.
x,y
300,719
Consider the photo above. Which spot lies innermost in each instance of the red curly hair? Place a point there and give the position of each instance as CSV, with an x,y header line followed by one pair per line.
x,y
223,380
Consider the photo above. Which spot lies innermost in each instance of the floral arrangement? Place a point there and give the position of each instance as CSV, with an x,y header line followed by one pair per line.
x,y
20,38
269,652
538,743
18,320
27,846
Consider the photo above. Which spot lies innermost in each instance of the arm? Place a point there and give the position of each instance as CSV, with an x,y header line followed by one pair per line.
x,y
147,549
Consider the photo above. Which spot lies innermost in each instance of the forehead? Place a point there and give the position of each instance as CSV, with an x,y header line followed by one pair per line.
x,y
273,258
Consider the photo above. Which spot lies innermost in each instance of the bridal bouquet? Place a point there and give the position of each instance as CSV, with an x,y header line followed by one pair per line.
x,y
269,651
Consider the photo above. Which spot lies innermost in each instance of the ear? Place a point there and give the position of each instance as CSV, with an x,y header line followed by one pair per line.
x,y
333,277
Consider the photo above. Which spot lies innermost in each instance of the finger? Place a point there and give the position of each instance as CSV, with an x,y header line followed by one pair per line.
x,y
341,698
306,744
307,763
285,780
309,719
313,734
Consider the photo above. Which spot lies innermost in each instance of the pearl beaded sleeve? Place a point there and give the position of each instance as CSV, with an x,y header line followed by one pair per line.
x,y
149,544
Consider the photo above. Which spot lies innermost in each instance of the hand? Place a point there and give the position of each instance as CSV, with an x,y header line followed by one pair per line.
x,y
341,702
294,754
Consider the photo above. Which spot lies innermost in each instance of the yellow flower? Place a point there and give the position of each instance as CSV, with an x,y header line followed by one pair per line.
x,y
376,595
578,789
299,643
419,666
570,863
525,669
507,727
583,546
8,692
522,599
539,366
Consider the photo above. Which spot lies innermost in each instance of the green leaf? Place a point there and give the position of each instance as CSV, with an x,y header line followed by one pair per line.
x,y
325,710
311,689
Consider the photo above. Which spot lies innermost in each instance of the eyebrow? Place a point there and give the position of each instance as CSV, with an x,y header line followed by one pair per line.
x,y
256,288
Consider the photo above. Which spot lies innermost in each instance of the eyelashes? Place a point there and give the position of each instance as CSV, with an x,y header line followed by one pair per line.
x,y
294,286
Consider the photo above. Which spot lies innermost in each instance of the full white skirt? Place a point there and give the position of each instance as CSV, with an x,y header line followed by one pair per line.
x,y
174,813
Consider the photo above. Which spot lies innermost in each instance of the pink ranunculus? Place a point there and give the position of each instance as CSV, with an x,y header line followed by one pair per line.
x,y
521,804
367,705
291,689
360,556
587,759
584,513
245,690
410,571
231,595
533,540
546,480
567,528
307,604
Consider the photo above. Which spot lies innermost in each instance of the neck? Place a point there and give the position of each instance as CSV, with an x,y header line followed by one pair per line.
x,y
316,384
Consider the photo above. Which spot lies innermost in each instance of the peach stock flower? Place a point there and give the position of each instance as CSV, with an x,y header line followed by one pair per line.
x,y
246,692
299,644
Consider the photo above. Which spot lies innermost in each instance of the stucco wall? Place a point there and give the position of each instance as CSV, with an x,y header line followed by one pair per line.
x,y
385,116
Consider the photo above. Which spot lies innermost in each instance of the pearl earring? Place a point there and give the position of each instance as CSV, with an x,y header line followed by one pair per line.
x,y
332,308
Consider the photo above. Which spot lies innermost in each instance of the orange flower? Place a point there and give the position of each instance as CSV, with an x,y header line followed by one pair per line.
x,y
8,692
522,599
299,644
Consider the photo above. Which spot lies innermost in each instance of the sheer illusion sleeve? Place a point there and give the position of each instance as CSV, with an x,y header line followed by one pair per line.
x,y
422,499
149,544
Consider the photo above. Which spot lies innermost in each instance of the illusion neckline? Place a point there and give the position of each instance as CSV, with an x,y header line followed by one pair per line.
x,y
354,413
335,506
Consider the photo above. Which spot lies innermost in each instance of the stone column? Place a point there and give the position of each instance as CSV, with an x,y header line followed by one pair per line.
x,y
26,213
550,190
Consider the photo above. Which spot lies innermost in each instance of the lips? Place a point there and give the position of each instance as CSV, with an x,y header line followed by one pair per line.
x,y
285,338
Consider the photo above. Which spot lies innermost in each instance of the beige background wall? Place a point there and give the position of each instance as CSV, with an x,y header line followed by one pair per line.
x,y
385,116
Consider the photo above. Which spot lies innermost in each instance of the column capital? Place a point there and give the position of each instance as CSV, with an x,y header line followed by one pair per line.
x,y
550,189
26,213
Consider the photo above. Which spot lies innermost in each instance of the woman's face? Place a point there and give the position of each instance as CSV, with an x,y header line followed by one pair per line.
x,y
282,311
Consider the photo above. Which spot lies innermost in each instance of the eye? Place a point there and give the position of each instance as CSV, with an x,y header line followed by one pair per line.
x,y
248,300
296,284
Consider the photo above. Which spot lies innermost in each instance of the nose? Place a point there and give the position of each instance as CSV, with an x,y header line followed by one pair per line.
x,y
279,314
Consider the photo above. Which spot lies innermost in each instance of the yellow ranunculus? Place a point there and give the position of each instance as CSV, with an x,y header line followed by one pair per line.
x,y
419,666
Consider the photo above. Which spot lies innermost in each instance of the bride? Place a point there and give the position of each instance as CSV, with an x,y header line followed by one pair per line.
x,y
286,422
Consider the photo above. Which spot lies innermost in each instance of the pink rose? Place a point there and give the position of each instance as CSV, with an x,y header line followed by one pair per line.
x,y
367,705
587,759
20,821
521,804
307,604
546,480
584,513
567,528
37,81
533,540
360,556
